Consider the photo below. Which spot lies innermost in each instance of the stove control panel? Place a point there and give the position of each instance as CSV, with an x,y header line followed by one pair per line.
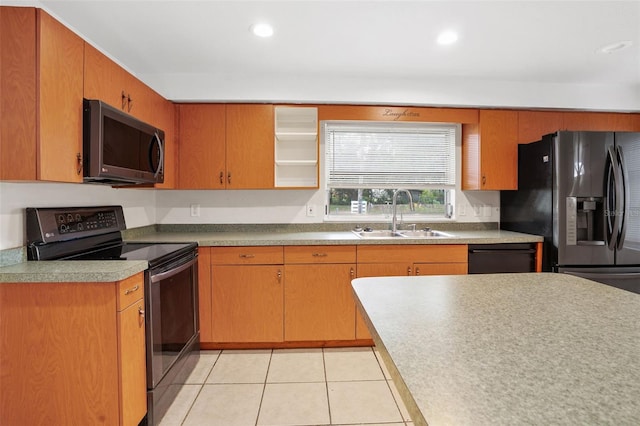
x,y
46,225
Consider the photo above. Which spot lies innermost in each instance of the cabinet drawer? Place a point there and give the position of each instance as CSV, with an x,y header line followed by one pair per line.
x,y
130,290
319,254
248,255
432,253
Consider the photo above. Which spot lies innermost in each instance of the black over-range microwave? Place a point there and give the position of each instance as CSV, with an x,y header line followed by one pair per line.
x,y
120,149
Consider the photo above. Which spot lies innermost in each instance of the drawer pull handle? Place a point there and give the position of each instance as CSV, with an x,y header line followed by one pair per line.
x,y
320,255
408,270
131,290
247,256
141,312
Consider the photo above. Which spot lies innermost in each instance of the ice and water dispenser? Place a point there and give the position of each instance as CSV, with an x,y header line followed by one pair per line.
x,y
585,221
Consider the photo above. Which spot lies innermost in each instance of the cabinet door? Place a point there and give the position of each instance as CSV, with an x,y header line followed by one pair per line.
x,y
132,364
60,90
250,151
318,302
490,151
104,79
247,303
201,146
18,88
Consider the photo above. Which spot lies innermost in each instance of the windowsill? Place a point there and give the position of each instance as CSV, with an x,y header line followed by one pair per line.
x,y
383,219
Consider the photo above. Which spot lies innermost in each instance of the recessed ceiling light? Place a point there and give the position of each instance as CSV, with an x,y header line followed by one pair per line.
x,y
447,37
615,47
262,30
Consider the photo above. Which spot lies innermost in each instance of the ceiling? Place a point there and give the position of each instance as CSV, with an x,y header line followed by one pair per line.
x,y
509,53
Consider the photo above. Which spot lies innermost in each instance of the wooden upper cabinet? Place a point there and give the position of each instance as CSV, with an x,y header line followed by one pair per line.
x,y
60,55
601,121
532,125
103,79
201,146
489,151
41,102
249,143
18,88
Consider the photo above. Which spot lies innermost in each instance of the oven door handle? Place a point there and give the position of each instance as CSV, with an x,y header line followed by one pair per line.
x,y
164,275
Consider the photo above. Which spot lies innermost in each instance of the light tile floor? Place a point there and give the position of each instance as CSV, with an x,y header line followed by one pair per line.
x,y
295,387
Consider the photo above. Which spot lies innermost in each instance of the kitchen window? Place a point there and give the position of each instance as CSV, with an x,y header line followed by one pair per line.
x,y
367,161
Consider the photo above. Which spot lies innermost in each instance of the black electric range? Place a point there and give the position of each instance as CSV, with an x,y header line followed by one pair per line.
x,y
91,233
172,330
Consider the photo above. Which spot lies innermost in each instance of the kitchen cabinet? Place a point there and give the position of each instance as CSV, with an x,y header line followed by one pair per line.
x,y
201,146
73,353
249,146
247,294
532,125
204,294
318,300
109,82
490,151
225,146
600,121
394,260
42,73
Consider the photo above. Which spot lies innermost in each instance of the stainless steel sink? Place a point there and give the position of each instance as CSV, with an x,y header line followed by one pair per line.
x,y
386,233
378,233
425,234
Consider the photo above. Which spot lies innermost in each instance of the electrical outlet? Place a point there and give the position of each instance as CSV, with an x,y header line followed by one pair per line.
x,y
195,210
311,210
476,210
462,209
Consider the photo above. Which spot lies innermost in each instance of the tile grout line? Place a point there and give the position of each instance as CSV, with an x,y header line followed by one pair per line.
x,y
326,385
204,382
264,386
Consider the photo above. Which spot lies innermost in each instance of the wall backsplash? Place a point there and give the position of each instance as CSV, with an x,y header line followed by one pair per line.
x,y
144,207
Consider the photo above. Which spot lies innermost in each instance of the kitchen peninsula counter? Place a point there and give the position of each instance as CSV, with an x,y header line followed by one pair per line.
x,y
507,349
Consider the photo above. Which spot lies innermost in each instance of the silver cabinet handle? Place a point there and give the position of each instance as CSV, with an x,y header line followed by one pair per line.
x,y
320,255
131,290
221,178
279,275
247,256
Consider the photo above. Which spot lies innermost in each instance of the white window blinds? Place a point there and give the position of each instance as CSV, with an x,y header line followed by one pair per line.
x,y
390,155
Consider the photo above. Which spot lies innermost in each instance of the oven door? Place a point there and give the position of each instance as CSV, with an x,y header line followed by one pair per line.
x,y
172,314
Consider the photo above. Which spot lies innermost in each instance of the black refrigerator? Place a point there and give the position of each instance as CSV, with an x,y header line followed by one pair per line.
x,y
581,191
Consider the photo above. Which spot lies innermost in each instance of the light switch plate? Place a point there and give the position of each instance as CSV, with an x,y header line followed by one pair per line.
x,y
195,210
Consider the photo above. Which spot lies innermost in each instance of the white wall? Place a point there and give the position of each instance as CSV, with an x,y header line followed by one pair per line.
x,y
138,204
284,206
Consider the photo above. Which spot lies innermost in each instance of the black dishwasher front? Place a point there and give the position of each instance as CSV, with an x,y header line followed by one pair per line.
x,y
502,258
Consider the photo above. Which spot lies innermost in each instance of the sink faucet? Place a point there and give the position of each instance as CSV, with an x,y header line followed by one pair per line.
x,y
394,219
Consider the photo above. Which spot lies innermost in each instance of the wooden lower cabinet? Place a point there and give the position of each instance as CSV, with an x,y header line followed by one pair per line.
x,y
407,260
302,295
318,299
247,303
247,294
72,353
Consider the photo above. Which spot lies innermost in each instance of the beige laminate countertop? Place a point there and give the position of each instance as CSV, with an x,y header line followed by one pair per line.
x,y
105,271
508,349
332,238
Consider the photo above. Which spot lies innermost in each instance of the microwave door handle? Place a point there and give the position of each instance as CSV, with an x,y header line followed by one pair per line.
x,y
624,190
156,138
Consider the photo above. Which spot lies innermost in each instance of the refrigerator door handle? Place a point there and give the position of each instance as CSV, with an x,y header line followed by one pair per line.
x,y
624,190
613,172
